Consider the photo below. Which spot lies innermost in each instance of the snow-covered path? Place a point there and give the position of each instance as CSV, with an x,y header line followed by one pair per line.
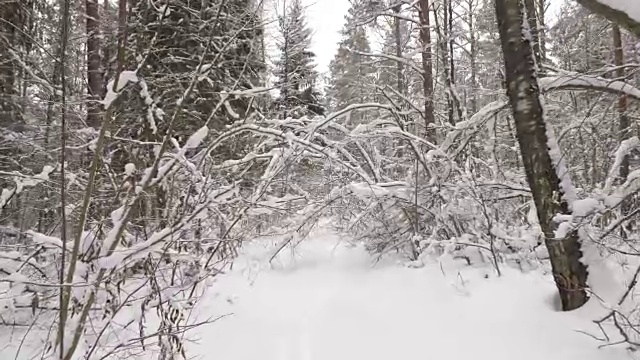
x,y
328,302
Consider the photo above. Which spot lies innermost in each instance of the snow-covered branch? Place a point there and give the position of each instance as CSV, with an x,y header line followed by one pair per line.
x,y
623,12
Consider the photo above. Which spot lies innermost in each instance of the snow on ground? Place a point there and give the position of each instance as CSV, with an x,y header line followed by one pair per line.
x,y
327,301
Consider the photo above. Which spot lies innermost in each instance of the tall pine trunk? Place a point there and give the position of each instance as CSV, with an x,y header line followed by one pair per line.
x,y
624,125
532,21
398,39
624,128
570,274
11,24
473,56
542,33
11,115
94,73
427,67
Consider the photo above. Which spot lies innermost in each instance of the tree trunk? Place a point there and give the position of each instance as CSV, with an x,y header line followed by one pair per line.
x,y
624,125
94,74
285,52
446,61
453,102
473,58
449,25
427,67
10,25
542,32
624,133
107,44
398,39
532,21
570,274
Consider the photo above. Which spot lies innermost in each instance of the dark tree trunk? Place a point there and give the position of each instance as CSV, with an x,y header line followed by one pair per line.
x,y
11,116
94,73
427,67
532,21
11,15
446,62
473,58
452,67
453,103
624,129
398,37
570,274
542,33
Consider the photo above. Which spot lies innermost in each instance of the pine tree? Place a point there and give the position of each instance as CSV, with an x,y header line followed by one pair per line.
x,y
12,16
225,35
488,51
397,40
12,41
219,38
351,74
296,75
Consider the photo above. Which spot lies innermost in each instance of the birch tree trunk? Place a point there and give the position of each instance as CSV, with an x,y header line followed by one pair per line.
x,y
570,274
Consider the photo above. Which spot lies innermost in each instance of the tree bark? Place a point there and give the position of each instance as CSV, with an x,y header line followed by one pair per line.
x,y
473,57
624,125
398,38
624,130
532,21
94,74
11,24
453,102
427,67
570,274
11,15
107,44
542,32
452,66
285,54
447,59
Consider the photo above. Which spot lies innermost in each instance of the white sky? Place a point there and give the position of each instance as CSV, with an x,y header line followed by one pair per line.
x,y
326,18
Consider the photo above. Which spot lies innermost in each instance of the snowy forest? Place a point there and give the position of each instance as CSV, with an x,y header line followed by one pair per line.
x,y
148,145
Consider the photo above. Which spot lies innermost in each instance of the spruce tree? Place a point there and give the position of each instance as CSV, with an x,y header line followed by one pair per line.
x,y
11,24
388,68
219,38
295,71
225,35
351,74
